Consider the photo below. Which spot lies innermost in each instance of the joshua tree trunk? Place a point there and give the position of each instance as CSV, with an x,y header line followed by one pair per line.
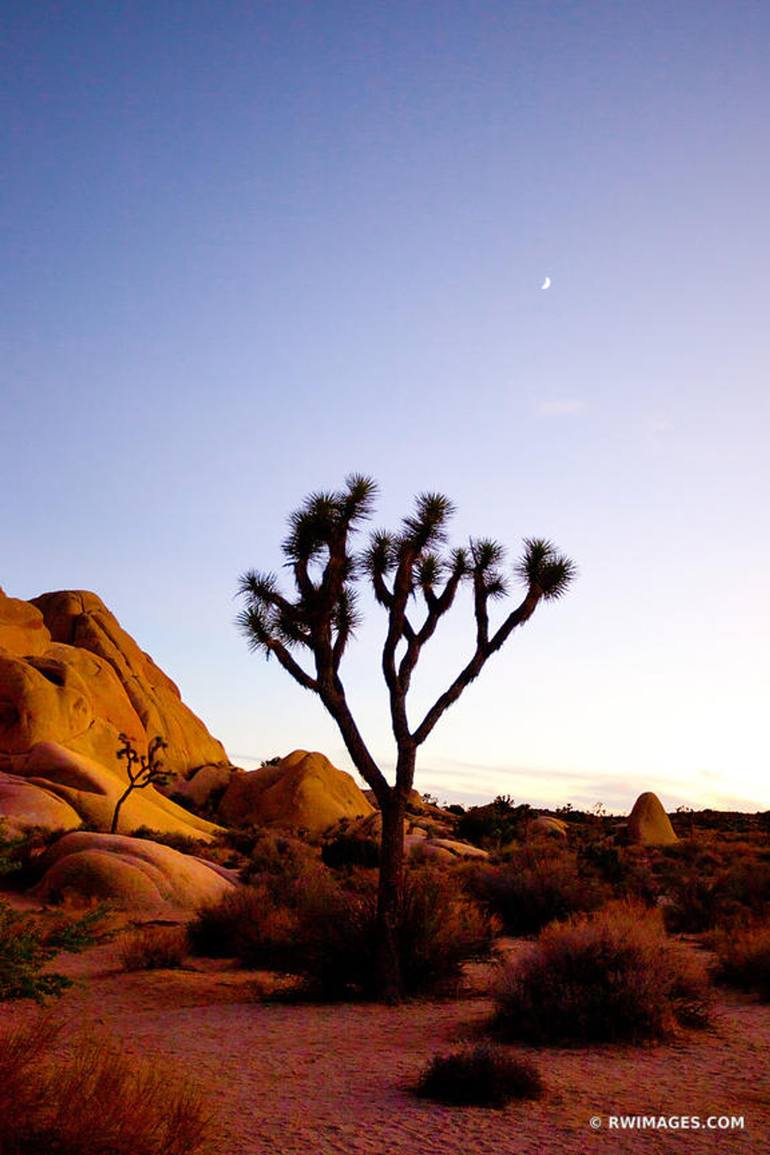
x,y
404,569
390,897
118,804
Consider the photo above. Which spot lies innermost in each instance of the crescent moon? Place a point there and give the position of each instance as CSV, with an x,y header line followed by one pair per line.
x,y
546,283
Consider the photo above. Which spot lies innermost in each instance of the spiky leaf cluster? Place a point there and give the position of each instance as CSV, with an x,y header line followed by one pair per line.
x,y
543,568
410,566
324,613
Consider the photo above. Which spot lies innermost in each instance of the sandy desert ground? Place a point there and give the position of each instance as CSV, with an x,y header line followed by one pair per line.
x,y
304,1079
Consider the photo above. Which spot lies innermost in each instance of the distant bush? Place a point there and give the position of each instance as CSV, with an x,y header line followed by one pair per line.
x,y
743,959
717,891
273,852
28,943
607,977
94,1101
154,948
530,891
322,928
493,825
184,843
349,850
481,1076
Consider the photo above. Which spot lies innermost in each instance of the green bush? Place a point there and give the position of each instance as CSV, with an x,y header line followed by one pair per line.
x,y
481,1076
21,854
607,977
27,945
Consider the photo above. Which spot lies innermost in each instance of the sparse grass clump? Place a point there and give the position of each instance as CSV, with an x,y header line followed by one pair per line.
x,y
608,977
744,959
480,1076
91,1100
155,948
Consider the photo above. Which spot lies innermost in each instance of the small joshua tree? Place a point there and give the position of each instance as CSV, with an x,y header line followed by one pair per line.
x,y
404,569
143,770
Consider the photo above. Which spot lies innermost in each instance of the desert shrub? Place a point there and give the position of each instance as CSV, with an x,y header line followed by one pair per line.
x,y
481,1076
743,959
441,929
713,894
493,825
154,948
607,977
28,943
21,854
91,1101
348,850
184,843
322,928
273,852
529,891
248,924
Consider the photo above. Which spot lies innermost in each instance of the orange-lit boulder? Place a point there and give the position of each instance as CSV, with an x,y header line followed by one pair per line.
x,y
545,824
86,792
78,618
648,823
71,681
22,629
303,791
131,872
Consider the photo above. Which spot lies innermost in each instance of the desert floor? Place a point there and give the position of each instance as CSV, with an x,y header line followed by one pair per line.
x,y
306,1079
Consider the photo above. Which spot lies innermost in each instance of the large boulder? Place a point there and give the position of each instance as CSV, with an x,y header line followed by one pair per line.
x,y
79,619
545,824
648,823
22,629
132,873
59,788
302,791
71,681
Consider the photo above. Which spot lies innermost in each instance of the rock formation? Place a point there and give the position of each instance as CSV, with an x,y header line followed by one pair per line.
x,y
71,680
303,791
648,823
131,872
545,824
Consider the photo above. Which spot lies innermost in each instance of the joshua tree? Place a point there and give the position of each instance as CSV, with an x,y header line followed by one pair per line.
x,y
143,770
410,567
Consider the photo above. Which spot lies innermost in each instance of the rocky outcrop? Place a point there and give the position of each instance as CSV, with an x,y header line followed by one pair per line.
x,y
545,824
303,791
80,620
648,823
71,681
132,873
58,788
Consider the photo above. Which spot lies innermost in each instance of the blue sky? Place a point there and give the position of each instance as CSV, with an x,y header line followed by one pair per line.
x,y
249,247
